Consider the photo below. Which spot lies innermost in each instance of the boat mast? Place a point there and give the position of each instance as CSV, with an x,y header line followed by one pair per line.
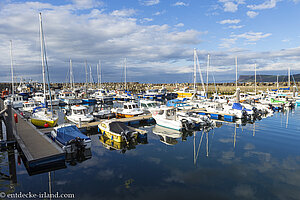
x,y
100,73
195,70
43,57
236,79
125,74
199,69
86,78
289,77
277,82
71,75
255,78
12,69
207,67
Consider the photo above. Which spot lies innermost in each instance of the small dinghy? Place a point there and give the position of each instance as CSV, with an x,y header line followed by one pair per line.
x,y
70,139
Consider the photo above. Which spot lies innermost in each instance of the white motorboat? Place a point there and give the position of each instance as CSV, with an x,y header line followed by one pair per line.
x,y
167,117
28,106
39,97
129,109
69,98
79,113
149,106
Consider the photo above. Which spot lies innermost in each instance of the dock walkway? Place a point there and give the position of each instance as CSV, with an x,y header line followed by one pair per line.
x,y
39,153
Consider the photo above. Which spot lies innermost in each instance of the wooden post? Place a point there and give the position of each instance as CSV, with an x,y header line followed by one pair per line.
x,y
9,123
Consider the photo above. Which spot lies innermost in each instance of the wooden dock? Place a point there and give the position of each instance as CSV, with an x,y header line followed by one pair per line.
x,y
127,121
39,153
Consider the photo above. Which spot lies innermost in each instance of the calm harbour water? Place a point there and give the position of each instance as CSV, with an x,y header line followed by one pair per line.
x,y
255,161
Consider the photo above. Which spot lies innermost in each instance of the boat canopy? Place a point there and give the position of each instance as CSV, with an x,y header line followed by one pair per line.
x,y
238,106
118,127
68,133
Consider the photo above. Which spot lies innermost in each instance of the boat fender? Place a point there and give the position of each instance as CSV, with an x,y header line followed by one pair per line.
x,y
16,117
46,125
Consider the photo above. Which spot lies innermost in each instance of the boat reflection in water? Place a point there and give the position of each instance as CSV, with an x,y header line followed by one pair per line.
x,y
113,145
78,156
166,135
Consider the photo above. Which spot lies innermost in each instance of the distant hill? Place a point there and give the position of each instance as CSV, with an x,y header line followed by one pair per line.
x,y
268,78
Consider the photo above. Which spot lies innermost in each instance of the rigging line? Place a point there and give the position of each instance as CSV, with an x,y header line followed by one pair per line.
x,y
294,82
48,75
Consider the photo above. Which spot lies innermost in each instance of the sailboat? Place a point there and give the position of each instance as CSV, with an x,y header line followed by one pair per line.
x,y
42,116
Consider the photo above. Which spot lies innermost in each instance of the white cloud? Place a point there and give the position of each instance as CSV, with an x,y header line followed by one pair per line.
x,y
227,42
230,7
123,13
91,36
179,25
86,4
146,20
252,36
236,27
180,3
230,21
266,5
252,14
150,2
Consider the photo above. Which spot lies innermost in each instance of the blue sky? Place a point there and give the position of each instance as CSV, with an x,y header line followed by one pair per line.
x,y
157,37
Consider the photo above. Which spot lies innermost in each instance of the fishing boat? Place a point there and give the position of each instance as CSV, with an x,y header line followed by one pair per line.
x,y
45,97
129,109
117,131
70,139
28,106
43,117
69,98
79,113
103,111
16,100
149,106
167,117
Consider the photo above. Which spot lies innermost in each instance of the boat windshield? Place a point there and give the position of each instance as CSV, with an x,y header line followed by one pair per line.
x,y
80,112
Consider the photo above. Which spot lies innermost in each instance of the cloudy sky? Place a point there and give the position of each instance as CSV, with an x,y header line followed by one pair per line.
x,y
157,37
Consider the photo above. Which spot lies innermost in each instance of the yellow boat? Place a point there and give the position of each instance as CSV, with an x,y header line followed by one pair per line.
x,y
43,118
117,131
185,93
113,145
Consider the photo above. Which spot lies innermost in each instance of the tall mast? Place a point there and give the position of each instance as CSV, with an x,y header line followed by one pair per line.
x,y
277,82
98,76
195,70
100,73
289,77
236,80
255,78
86,74
91,77
43,56
207,67
12,69
71,75
125,74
